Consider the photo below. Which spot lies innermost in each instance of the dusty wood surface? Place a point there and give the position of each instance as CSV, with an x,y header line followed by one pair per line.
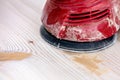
x,y
19,32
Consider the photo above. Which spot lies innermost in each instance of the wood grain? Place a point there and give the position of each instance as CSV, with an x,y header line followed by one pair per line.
x,y
20,24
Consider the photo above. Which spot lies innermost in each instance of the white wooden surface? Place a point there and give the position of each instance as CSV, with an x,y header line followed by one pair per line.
x,y
19,24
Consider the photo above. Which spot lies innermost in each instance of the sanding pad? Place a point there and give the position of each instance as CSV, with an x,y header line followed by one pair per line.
x,y
77,46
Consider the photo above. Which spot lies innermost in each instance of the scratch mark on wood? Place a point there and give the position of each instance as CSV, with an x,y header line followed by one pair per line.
x,y
31,42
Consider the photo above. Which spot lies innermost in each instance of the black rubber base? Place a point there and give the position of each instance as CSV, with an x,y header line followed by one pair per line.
x,y
76,46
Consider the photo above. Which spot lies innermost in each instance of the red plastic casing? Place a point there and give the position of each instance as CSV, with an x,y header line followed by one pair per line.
x,y
80,20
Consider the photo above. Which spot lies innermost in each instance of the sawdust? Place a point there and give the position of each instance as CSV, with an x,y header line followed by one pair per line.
x,y
72,53
13,56
89,61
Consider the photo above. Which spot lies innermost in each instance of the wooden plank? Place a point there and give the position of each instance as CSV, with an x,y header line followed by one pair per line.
x,y
19,32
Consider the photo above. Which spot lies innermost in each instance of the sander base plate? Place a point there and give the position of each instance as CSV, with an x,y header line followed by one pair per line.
x,y
77,46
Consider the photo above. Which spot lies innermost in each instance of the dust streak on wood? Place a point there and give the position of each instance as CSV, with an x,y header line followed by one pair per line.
x,y
91,63
13,56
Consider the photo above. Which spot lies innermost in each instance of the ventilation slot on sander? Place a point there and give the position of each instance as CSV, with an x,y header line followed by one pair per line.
x,y
80,18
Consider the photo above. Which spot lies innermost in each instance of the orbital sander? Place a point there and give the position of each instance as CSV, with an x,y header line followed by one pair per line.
x,y
80,25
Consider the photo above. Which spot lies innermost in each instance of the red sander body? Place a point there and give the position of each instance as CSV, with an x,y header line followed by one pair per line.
x,y
80,25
